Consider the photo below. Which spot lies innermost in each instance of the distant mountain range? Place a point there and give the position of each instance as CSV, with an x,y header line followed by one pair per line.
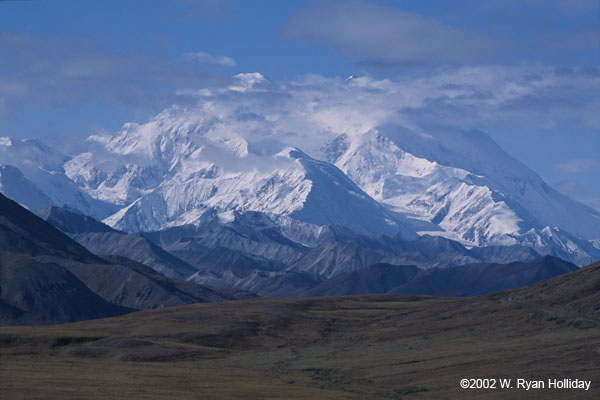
x,y
91,270
46,277
465,280
191,166
256,257
188,207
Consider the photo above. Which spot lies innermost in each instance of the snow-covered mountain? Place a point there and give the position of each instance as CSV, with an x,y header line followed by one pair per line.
x,y
20,189
303,168
461,181
174,171
32,173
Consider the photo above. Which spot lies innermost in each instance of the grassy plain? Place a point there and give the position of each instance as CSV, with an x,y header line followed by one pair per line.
x,y
355,347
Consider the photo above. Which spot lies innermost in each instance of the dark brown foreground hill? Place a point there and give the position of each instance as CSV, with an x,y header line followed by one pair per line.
x,y
355,347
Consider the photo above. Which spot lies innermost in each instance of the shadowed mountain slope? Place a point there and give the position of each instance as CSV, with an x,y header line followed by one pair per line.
x,y
71,222
35,292
138,248
342,262
102,240
135,285
23,232
264,242
49,278
461,281
477,279
377,278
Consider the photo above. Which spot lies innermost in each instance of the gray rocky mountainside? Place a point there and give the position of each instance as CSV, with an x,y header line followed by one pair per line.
x,y
250,254
46,277
461,281
101,239
36,292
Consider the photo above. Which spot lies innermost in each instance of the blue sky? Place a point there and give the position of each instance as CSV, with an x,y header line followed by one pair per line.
x,y
73,68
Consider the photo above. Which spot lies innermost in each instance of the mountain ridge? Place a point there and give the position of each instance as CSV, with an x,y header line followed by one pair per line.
x,y
46,277
184,166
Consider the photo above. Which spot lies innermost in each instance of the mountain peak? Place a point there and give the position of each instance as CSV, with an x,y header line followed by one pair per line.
x,y
188,165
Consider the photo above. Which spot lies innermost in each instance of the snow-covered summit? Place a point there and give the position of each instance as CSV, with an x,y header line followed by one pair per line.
x,y
33,173
467,185
183,167
306,157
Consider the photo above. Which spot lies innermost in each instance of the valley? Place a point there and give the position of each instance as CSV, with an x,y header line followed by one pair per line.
x,y
350,347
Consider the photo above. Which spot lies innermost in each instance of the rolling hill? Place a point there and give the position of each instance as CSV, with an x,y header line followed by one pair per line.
x,y
349,347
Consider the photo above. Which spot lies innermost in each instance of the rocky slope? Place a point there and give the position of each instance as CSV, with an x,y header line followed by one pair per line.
x,y
46,277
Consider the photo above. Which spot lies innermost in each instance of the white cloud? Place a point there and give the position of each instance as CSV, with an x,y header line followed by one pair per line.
x,y
571,187
579,165
311,109
582,192
205,58
382,34
593,202
57,71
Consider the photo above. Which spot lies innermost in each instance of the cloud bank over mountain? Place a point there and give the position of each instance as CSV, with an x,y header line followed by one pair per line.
x,y
461,97
524,72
